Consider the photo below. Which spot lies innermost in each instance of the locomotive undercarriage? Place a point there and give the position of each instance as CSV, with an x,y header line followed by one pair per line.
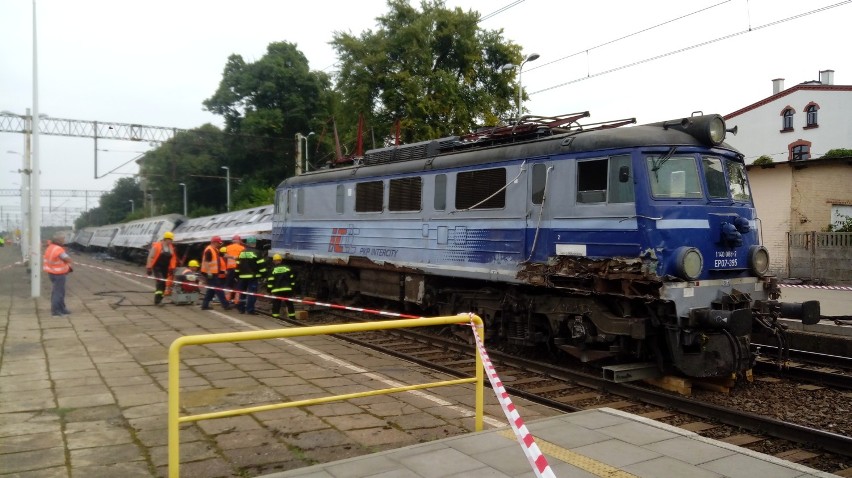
x,y
591,325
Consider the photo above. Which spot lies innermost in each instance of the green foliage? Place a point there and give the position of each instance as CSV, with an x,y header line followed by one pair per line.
x,y
202,211
763,160
843,225
264,105
115,206
432,69
253,193
194,158
837,153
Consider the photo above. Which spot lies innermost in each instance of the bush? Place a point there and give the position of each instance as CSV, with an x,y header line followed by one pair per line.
x,y
842,225
837,153
765,159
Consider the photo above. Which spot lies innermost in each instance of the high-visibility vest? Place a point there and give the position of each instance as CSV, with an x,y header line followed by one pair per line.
x,y
232,252
210,261
281,279
53,264
157,250
250,264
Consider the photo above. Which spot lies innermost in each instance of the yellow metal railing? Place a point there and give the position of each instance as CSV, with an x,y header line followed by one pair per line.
x,y
174,371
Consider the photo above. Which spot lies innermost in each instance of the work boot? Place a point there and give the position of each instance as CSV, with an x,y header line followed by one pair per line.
x,y
157,299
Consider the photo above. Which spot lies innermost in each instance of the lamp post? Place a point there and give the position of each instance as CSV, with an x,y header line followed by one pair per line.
x,y
227,187
511,66
184,197
132,206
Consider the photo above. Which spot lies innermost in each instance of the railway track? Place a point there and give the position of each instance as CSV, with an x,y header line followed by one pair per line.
x,y
573,389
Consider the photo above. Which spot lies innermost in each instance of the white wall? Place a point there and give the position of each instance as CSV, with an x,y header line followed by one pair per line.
x,y
759,128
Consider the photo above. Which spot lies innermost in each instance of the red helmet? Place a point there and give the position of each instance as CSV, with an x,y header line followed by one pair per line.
x,y
216,239
237,238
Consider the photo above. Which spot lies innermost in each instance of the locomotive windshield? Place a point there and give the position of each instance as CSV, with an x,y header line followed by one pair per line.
x,y
674,177
679,177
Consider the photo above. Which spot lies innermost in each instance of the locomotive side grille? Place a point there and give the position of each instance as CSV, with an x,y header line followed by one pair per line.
x,y
408,152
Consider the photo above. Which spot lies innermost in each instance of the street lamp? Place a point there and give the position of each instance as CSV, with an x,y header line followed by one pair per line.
x,y
510,66
228,187
132,206
184,197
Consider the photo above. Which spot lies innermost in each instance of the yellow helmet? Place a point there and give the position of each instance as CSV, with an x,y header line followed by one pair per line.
x,y
194,263
277,257
223,250
169,235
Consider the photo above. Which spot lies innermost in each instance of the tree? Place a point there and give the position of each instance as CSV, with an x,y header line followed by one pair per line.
x,y
432,69
115,206
194,158
264,105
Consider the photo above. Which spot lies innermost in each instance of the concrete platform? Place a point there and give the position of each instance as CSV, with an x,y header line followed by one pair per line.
x,y
85,395
593,443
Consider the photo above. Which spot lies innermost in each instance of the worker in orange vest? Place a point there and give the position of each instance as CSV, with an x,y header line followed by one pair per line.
x,y
162,261
213,267
57,264
232,252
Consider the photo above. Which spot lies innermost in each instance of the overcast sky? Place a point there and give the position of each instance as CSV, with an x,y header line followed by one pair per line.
x,y
154,62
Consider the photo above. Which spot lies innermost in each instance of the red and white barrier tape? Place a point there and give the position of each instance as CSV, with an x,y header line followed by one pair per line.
x,y
823,287
537,460
267,296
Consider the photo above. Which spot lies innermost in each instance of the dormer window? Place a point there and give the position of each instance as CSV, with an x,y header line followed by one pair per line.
x,y
811,112
787,119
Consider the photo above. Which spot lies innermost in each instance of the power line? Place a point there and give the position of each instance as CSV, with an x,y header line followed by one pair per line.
x,y
499,11
587,50
692,47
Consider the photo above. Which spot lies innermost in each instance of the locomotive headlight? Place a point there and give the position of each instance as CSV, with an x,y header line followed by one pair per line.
x,y
758,260
689,262
716,130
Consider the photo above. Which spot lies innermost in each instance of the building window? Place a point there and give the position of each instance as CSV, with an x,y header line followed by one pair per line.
x,y
787,119
800,150
811,111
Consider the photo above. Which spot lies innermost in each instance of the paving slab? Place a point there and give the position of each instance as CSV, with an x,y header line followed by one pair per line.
x,y
85,395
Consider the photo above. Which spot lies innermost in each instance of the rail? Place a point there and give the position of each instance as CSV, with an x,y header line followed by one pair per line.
x,y
174,419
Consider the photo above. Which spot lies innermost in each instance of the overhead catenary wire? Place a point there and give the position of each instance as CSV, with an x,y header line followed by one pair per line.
x,y
624,37
692,47
500,10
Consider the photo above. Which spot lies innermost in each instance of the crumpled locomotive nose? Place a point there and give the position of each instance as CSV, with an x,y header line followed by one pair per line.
x,y
731,237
